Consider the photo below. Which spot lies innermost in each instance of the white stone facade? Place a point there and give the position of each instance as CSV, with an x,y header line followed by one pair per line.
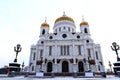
x,y
65,50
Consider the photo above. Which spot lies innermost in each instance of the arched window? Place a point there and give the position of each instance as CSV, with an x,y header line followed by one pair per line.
x,y
49,67
80,66
43,32
85,30
65,66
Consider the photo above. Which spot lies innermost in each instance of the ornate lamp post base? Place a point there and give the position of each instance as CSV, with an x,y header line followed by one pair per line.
x,y
15,60
118,59
14,67
116,67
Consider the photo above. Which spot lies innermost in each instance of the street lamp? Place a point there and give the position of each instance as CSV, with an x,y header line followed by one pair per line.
x,y
17,50
115,48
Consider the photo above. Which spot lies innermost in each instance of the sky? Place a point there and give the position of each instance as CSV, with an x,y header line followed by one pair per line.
x,y
20,22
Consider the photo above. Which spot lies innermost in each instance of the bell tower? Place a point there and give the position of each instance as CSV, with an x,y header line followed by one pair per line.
x,y
84,26
44,29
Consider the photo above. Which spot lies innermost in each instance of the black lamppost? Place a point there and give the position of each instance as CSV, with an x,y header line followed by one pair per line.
x,y
115,48
17,50
110,66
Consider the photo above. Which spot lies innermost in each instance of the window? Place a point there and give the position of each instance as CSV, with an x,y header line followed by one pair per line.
x,y
87,41
64,50
59,29
64,27
32,68
88,51
96,55
41,53
50,37
43,31
69,29
98,67
61,50
64,35
34,54
67,50
85,30
50,50
78,36
79,49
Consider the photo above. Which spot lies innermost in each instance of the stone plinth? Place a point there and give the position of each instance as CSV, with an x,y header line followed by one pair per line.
x,y
14,67
116,67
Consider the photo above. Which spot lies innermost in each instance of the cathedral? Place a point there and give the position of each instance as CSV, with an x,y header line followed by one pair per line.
x,y
65,50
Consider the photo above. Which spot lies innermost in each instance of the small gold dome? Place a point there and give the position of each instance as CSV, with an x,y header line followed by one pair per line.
x,y
83,23
45,25
64,17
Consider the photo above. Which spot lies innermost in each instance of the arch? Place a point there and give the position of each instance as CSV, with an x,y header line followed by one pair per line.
x,y
85,30
80,66
65,66
43,31
49,67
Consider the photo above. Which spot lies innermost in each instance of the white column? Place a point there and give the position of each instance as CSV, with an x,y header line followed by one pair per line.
x,y
55,57
73,48
86,56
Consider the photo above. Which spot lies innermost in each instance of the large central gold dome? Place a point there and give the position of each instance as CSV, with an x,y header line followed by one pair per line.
x,y
64,17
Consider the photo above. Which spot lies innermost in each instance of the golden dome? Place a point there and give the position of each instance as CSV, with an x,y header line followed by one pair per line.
x,y
64,17
45,24
83,23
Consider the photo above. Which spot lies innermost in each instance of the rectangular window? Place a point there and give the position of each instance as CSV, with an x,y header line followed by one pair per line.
x,y
67,50
41,53
96,55
69,29
61,50
88,51
64,50
59,29
79,49
32,68
50,50
34,54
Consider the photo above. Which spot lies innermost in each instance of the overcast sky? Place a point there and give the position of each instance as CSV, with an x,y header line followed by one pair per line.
x,y
20,22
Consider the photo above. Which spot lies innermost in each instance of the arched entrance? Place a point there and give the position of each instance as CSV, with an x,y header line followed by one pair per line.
x,y
80,66
49,67
65,66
